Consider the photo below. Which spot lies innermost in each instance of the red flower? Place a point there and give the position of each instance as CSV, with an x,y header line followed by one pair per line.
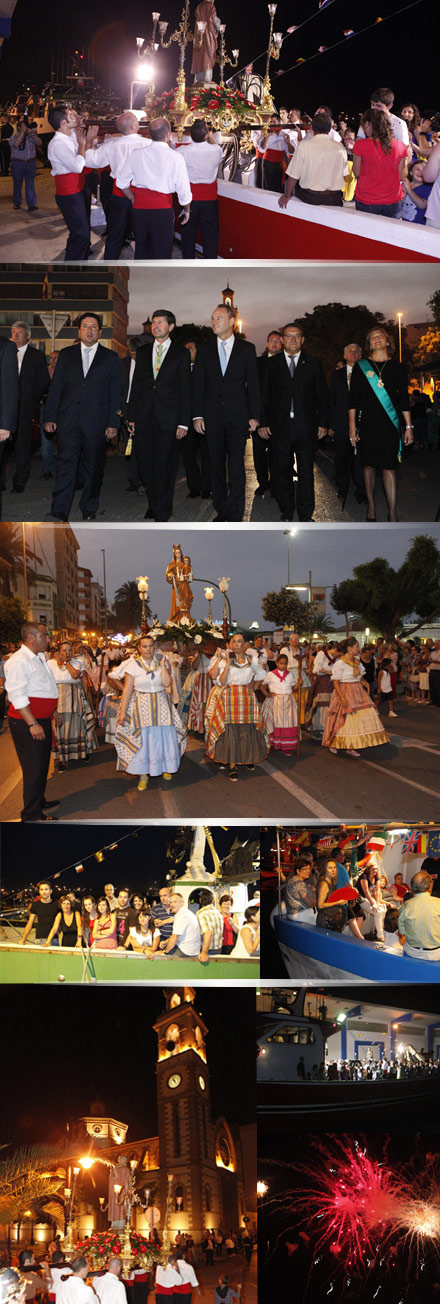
x,y
212,104
101,1249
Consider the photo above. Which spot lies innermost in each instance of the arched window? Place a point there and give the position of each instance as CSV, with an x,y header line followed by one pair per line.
x,y
172,1038
175,1000
208,1199
179,1199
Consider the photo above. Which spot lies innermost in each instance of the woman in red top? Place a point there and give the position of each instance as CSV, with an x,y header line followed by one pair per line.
x,y
380,164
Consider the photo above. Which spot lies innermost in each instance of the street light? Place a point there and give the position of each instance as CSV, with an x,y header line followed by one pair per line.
x,y
399,318
289,535
209,594
144,74
142,584
262,1189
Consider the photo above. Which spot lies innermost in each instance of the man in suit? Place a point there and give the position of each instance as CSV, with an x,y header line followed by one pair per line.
x,y
160,409
346,463
261,447
295,408
8,397
33,384
226,405
82,409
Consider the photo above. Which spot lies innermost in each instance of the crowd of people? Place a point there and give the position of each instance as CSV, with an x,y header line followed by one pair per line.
x,y
400,1067
384,163
204,398
243,697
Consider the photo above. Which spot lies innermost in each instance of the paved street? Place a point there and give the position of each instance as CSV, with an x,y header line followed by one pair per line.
x,y
398,781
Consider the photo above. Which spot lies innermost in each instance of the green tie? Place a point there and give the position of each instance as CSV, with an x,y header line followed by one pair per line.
x,y
158,361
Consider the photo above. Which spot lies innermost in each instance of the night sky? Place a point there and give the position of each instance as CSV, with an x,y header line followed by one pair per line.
x,y
94,1043
342,77
27,855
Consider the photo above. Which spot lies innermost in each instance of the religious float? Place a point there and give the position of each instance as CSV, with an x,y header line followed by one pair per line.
x,y
312,954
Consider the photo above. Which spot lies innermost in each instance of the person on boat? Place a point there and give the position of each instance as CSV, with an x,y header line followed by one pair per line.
x,y
299,894
368,886
419,920
335,914
248,941
352,722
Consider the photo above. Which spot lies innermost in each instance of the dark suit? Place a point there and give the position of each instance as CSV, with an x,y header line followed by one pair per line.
x,y
158,406
83,408
261,447
33,384
347,463
9,396
227,403
306,394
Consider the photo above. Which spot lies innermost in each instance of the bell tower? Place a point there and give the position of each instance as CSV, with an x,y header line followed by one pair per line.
x,y
228,300
186,1133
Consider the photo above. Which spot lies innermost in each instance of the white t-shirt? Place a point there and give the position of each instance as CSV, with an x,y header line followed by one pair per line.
x,y
186,929
144,939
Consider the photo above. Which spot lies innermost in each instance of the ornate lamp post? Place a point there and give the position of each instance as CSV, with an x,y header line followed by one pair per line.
x,y
142,583
146,51
68,1242
209,594
223,57
130,1198
273,52
184,36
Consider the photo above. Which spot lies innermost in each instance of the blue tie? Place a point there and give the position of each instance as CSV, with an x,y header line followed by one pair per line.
x,y
223,357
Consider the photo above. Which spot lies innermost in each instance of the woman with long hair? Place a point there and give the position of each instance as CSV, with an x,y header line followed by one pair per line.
x,y
380,164
352,722
67,924
88,915
142,932
248,941
378,412
235,733
75,737
104,930
150,737
318,697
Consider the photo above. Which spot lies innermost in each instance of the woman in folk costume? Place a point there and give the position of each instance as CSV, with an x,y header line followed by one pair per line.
x,y
234,728
195,691
318,697
352,720
295,659
150,737
279,709
75,737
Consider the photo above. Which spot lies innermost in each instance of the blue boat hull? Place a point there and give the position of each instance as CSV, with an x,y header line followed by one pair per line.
x,y
315,953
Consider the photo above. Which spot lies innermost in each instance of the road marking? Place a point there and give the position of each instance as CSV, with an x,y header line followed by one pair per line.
x,y
304,797
430,792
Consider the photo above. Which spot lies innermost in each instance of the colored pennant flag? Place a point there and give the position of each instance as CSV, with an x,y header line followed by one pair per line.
x,y
415,842
99,856
433,848
291,29
321,49
79,869
349,31
300,60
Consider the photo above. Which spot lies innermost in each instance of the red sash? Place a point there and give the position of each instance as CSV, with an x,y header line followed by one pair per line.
x,y
42,708
70,183
117,191
165,1290
273,156
184,1289
144,198
204,190
259,152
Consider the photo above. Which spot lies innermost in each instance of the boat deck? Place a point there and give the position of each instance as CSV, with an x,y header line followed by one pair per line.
x,y
316,953
40,964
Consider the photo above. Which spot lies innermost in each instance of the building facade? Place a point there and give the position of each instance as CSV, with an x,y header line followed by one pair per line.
x,y
51,301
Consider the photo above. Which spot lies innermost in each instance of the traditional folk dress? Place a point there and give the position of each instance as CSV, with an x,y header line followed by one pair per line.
x,y
75,737
153,738
194,696
293,663
235,734
318,697
279,711
362,727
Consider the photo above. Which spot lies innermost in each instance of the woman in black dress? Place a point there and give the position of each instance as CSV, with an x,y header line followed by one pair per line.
x,y
370,426
67,924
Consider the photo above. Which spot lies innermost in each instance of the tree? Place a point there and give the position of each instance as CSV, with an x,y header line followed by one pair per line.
x,y
434,305
285,608
382,597
12,615
333,325
427,353
127,607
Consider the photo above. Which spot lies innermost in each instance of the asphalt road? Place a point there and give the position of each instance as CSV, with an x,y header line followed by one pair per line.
x,y
398,781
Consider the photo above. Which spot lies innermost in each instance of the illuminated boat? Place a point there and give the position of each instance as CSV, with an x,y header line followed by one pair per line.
x,y
43,964
312,954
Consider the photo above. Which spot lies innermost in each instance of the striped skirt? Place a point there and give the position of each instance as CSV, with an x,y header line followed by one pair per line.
x,y
280,722
193,699
75,737
235,733
153,730
362,727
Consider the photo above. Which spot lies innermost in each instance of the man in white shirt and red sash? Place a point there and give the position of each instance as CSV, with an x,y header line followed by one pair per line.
x,y
202,158
115,152
150,179
275,155
33,698
66,152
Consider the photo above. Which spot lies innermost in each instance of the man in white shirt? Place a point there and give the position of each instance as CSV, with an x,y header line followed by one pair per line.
x,y
73,1290
150,178
383,99
108,1288
115,153
202,158
275,147
66,151
33,698
185,940
318,169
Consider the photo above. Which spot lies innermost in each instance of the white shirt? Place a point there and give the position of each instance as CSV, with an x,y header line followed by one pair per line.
x,y
276,141
130,378
398,126
20,355
61,673
345,673
202,162
87,353
186,929
56,1274
110,1289
157,168
75,1291
321,666
62,152
144,939
167,1276
228,345
187,1273
145,680
241,674
281,687
165,347
27,674
115,152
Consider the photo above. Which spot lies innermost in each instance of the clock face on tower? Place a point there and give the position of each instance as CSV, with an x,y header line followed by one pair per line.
x,y
202,1083
174,1080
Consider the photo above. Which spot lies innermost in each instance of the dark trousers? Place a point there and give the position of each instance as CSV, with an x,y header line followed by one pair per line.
x,y
382,210
258,174
226,446
24,172
195,458
74,210
260,449
273,177
157,453
285,444
118,226
434,687
34,759
5,448
5,157
153,232
331,197
347,464
23,454
2,705
73,448
203,214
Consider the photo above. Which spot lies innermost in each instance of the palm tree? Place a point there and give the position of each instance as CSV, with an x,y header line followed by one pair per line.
x,y
127,607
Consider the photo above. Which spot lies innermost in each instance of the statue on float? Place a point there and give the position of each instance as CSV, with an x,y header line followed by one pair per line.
x,y
179,574
119,1177
205,54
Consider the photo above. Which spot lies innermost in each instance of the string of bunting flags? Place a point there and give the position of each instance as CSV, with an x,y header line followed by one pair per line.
x,y
99,856
348,33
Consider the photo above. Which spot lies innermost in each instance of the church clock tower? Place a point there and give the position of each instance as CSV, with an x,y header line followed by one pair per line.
x,y
186,1133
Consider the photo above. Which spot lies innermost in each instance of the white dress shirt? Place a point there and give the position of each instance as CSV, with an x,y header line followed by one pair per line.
x,y
228,345
109,1289
115,152
87,356
157,168
398,127
202,162
187,1273
61,674
28,674
20,355
62,152
75,1291
294,359
165,347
